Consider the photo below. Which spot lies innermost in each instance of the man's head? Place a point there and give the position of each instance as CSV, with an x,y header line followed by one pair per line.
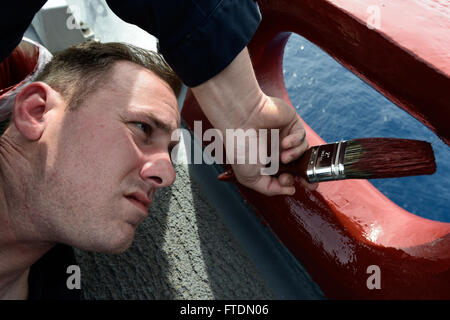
x,y
89,145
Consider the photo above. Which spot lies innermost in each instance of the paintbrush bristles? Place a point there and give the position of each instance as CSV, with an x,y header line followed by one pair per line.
x,y
373,158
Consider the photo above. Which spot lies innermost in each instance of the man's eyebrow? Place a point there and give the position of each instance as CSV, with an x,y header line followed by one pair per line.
x,y
151,117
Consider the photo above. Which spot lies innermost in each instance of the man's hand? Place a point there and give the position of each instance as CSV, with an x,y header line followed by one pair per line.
x,y
233,100
274,113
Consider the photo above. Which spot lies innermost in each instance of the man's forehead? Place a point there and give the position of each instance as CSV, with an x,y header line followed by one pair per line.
x,y
129,75
145,92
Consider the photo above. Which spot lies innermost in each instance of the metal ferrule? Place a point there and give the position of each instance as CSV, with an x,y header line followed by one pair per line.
x,y
327,162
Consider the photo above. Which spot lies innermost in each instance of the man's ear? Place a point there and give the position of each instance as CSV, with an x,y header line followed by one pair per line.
x,y
30,105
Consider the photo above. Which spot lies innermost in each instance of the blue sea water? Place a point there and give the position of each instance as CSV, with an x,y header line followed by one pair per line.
x,y
339,105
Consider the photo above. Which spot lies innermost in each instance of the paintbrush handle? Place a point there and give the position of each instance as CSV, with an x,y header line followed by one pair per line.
x,y
227,176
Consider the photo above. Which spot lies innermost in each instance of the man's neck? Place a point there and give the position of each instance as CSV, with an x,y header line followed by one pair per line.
x,y
15,288
18,250
15,261
16,256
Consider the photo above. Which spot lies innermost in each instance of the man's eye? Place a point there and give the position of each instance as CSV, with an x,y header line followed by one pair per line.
x,y
144,127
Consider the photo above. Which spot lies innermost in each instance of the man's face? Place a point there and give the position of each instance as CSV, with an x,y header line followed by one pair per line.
x,y
105,160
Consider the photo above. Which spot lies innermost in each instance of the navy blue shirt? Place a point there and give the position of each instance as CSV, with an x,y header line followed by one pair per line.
x,y
47,279
198,38
15,17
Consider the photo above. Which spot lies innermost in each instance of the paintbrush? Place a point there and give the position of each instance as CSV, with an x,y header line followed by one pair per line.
x,y
366,158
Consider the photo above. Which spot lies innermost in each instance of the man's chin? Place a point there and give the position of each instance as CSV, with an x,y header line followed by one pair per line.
x,y
118,247
115,244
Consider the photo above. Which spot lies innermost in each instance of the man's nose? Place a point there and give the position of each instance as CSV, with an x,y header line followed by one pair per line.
x,y
158,170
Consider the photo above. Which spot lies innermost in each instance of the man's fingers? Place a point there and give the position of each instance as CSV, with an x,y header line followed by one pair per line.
x,y
294,153
293,140
271,186
281,185
276,188
286,180
293,146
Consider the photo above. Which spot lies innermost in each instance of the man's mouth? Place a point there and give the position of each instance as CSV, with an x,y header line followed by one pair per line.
x,y
140,200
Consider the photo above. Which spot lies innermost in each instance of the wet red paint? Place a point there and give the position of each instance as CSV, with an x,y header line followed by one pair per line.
x,y
344,227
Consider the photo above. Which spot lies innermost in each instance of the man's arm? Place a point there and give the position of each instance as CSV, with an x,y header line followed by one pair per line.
x,y
15,17
233,99
198,38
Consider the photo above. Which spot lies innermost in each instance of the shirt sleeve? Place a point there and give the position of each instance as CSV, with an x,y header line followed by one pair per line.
x,y
15,17
198,38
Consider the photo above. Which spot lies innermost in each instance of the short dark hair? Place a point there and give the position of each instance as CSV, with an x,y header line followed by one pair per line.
x,y
75,72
